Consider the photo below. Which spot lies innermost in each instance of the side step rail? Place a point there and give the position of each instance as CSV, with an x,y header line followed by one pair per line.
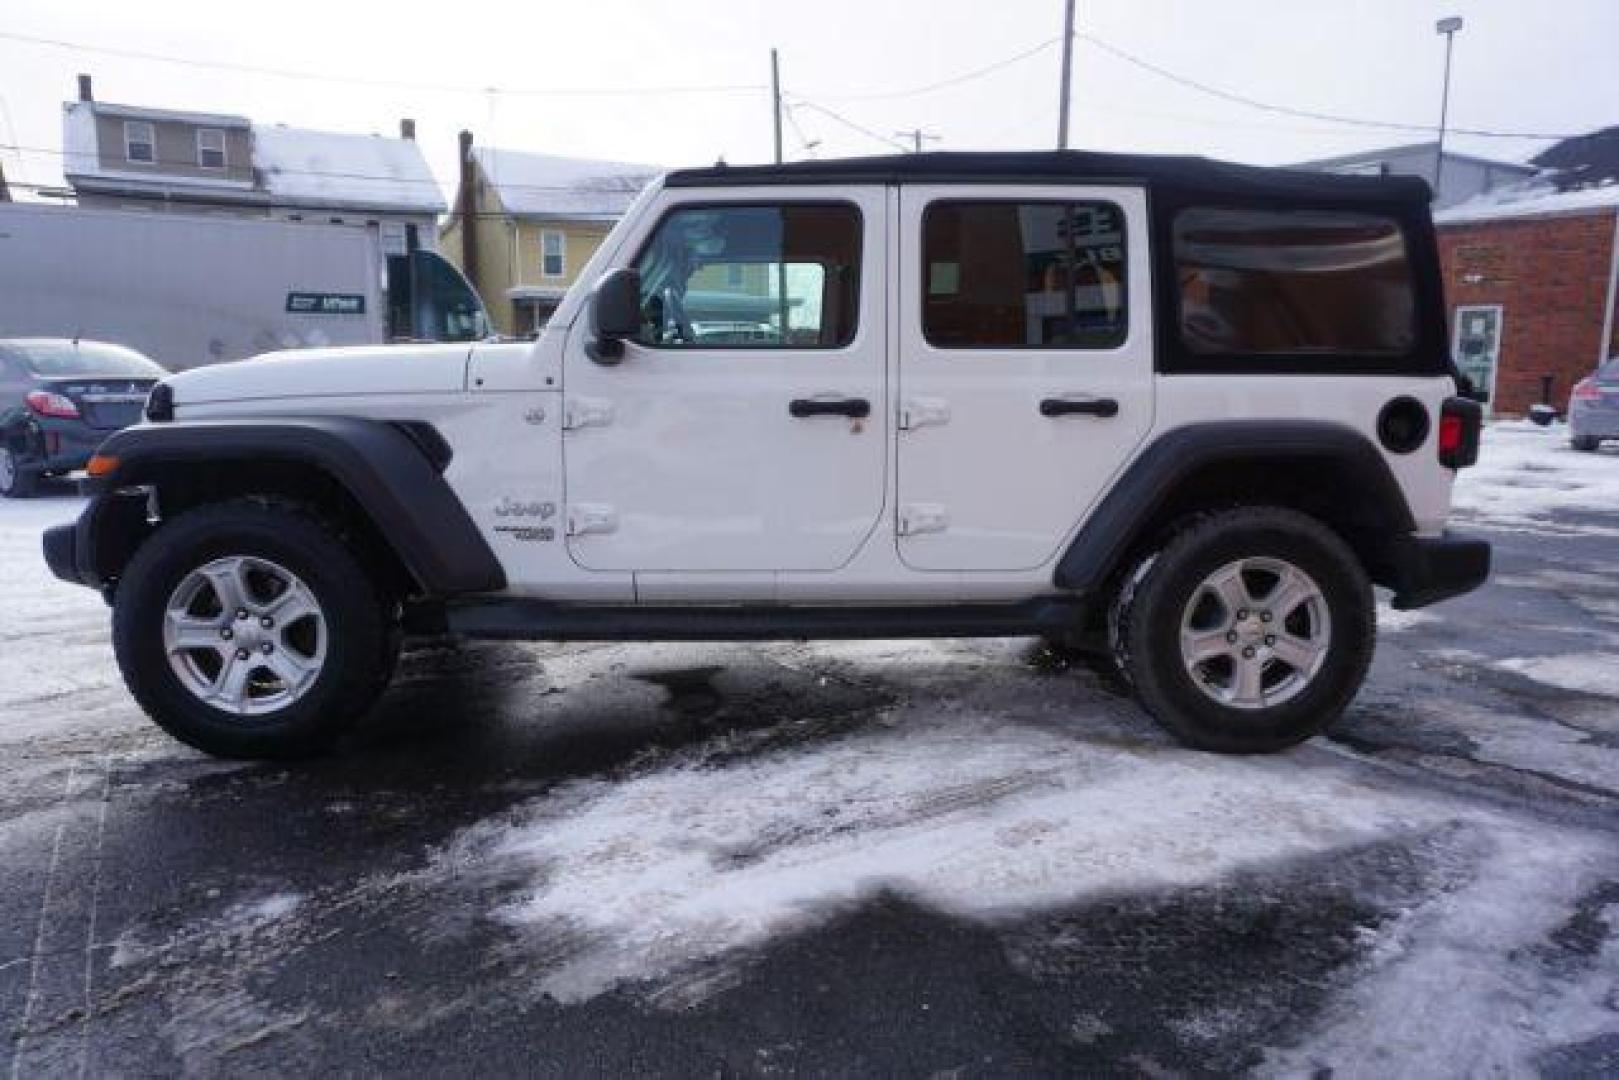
x,y
539,620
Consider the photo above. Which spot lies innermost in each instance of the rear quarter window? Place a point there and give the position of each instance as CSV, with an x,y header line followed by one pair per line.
x,y
1292,283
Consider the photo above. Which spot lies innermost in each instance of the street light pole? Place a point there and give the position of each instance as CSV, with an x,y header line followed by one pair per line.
x,y
1067,73
1448,27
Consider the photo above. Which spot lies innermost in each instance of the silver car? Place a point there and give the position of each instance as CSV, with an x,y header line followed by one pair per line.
x,y
1593,408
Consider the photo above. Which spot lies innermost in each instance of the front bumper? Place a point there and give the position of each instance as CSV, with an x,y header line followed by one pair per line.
x,y
61,554
1424,571
103,537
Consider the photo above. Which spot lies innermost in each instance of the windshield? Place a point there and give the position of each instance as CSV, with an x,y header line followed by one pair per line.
x,y
68,359
1609,372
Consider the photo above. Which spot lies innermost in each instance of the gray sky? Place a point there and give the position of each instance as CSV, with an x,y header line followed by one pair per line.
x,y
1521,65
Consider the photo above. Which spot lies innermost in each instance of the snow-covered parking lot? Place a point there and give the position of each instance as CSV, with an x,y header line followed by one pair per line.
x,y
886,858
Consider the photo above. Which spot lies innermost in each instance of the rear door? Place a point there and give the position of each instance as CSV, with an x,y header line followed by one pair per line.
x,y
1025,370
745,428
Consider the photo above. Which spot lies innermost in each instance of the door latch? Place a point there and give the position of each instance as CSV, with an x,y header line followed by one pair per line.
x,y
583,412
923,412
917,518
586,518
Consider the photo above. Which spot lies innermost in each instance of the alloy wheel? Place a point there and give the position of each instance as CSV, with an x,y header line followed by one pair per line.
x,y
1255,632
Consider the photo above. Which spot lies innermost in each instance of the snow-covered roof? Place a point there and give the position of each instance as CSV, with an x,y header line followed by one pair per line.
x,y
330,169
1535,198
545,185
293,166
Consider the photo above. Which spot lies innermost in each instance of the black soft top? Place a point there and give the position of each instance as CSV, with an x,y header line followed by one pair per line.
x,y
1182,173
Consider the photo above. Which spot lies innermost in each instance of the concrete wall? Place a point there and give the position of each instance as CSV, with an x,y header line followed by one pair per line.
x,y
1550,276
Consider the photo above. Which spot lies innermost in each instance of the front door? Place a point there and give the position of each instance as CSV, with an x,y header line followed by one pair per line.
x,y
1025,372
744,428
1478,346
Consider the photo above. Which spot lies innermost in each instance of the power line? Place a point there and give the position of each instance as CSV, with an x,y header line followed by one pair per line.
x,y
390,84
179,200
805,103
1288,110
323,173
917,137
954,80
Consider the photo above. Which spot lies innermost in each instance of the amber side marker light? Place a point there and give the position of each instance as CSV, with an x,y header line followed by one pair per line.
x,y
101,465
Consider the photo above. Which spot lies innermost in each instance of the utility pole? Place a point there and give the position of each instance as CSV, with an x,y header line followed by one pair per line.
x,y
775,100
1448,27
916,136
1067,73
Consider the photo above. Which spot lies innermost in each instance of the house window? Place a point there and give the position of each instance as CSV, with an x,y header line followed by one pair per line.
x,y
553,254
140,142
210,148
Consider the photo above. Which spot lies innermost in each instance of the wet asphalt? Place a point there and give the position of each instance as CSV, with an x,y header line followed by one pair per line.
x,y
141,931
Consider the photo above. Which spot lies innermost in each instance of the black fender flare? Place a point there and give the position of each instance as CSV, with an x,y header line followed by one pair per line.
x,y
392,470
1138,498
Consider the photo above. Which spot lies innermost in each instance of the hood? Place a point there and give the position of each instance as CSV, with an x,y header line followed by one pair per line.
x,y
299,373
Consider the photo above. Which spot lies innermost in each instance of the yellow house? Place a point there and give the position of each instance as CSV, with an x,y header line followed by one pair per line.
x,y
524,225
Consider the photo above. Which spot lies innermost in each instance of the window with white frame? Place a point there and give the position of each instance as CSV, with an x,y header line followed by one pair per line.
x,y
210,148
140,141
553,254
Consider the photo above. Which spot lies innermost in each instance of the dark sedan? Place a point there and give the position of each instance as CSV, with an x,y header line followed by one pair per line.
x,y
59,399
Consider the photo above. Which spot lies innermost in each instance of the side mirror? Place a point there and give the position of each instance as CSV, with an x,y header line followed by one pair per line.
x,y
615,314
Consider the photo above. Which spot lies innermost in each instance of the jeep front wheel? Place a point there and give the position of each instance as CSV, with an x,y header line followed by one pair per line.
x,y
1249,632
249,629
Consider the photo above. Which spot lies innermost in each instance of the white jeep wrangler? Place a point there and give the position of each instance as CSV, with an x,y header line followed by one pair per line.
x,y
1180,412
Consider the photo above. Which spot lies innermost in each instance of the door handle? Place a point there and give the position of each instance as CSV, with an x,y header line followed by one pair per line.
x,y
1085,406
855,407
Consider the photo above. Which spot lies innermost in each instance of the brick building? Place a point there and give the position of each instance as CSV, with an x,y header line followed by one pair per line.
x,y
1530,280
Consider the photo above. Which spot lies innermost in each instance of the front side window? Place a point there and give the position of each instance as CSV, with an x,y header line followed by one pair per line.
x,y
1023,275
756,275
553,254
210,148
140,141
1293,283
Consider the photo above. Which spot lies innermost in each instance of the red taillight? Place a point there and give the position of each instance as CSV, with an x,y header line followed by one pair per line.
x,y
46,403
1586,390
1459,423
1451,434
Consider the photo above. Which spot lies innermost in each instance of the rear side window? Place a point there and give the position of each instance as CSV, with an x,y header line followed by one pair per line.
x,y
1293,283
1031,275
1609,372
760,276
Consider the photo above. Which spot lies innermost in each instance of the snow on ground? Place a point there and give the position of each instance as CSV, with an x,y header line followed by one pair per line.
x,y
988,817
53,640
993,798
1527,476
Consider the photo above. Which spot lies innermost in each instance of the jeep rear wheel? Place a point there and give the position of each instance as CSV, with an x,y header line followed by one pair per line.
x,y
249,629
1250,631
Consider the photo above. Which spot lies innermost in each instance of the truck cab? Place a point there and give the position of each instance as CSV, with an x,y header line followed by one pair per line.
x,y
1179,413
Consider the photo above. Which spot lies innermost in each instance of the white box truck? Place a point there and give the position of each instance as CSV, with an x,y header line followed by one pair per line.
x,y
190,290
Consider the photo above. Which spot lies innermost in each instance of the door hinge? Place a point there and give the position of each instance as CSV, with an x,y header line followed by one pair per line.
x,y
582,412
917,518
923,412
591,518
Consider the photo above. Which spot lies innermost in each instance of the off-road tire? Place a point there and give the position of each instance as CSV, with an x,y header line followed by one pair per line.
x,y
1147,615
363,632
